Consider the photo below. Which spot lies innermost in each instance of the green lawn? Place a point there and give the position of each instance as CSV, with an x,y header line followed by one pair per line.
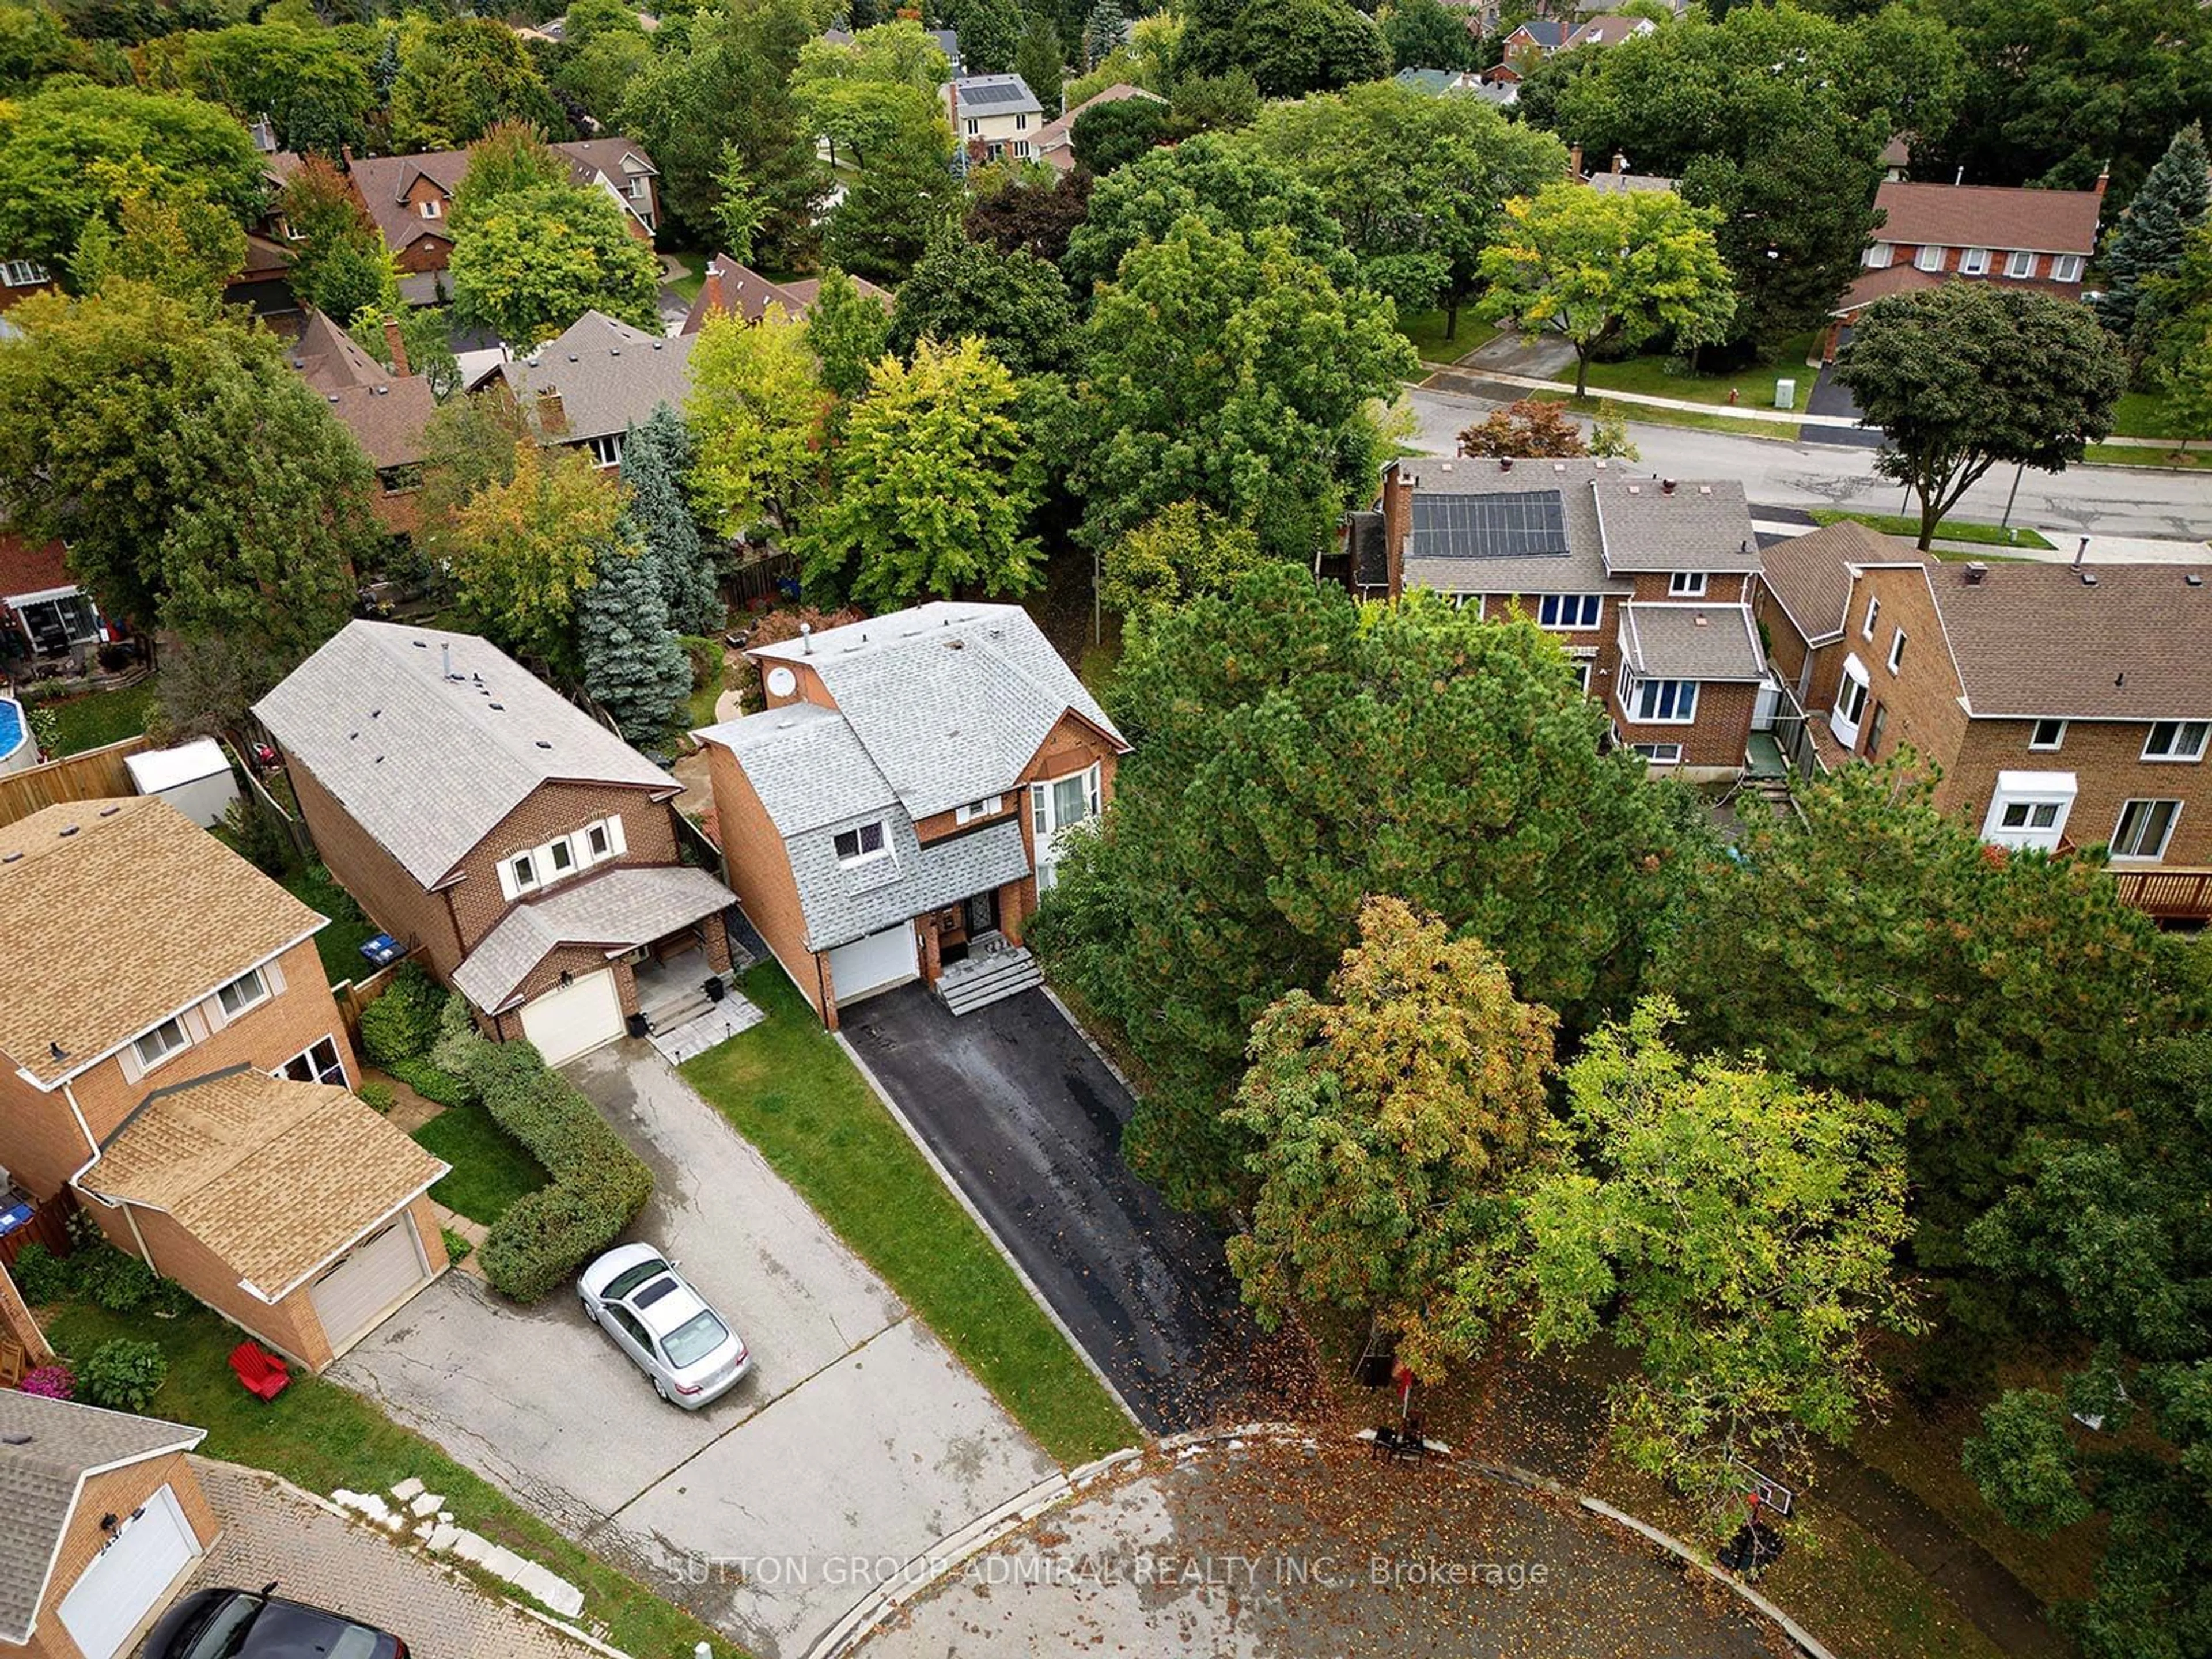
x,y
1425,329
1950,530
788,1087
2145,414
688,286
339,944
491,1170
101,718
1669,377
323,1437
1695,420
2129,455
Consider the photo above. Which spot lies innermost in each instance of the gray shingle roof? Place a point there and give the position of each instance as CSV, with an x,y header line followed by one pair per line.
x,y
1700,526
1681,641
610,377
1446,561
40,1480
1811,574
949,700
629,905
841,902
805,764
994,94
428,765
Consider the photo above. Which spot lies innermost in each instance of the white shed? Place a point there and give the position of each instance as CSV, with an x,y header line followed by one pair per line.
x,y
195,778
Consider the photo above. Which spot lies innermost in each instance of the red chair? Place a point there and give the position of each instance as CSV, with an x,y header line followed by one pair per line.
x,y
263,1374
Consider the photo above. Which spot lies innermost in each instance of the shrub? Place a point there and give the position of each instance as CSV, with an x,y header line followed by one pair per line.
x,y
49,1383
44,1278
598,1184
171,1298
122,1375
433,1083
118,1282
457,1249
259,839
402,1023
705,656
378,1096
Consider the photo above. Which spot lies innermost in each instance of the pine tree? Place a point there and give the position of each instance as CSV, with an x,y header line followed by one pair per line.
x,y
655,458
2150,241
1101,32
633,661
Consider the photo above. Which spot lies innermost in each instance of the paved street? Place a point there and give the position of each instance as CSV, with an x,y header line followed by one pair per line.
x,y
1018,1109
2113,500
270,1534
856,1434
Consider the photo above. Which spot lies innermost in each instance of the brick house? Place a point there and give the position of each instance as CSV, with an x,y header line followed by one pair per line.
x,y
1648,583
41,602
894,812
1934,233
105,1522
526,855
188,1077
2065,707
586,388
386,409
742,292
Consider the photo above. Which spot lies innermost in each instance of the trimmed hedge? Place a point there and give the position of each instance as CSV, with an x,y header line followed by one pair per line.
x,y
433,1083
401,1024
598,1184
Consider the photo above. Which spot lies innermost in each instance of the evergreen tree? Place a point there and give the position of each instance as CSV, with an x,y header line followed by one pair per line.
x,y
2150,241
1101,32
632,662
655,458
1041,61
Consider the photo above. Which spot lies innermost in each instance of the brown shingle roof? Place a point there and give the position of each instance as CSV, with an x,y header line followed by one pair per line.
x,y
1811,574
386,413
1989,216
27,568
744,292
383,180
276,1177
2035,640
116,914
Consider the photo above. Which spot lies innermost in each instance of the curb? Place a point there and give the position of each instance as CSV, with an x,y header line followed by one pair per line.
x,y
1673,1546
944,1177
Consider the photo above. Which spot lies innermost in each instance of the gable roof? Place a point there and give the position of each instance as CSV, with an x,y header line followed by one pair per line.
x,y
1989,216
1683,640
981,96
617,909
744,292
1650,523
609,376
425,764
386,413
206,916
1547,32
275,1177
1609,30
47,1448
383,180
1810,575
1060,132
949,701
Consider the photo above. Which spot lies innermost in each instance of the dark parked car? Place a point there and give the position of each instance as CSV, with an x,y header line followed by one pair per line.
x,y
236,1623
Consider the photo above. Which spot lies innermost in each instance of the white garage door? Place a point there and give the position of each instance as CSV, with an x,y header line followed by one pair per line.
x,y
873,963
565,1023
120,1588
368,1278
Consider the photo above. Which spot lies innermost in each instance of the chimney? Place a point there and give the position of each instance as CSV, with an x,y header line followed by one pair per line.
x,y
1575,160
552,421
1619,164
2081,552
396,347
1976,570
1397,524
446,661
2104,179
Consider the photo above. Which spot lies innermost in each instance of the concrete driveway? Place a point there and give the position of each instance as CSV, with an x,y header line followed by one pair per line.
x,y
856,1435
1029,1122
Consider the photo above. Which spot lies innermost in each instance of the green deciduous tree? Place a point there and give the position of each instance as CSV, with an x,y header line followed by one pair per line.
x,y
1213,103
848,329
905,193
1966,376
339,261
657,459
1014,303
1108,135
512,156
177,240
1290,48
1531,426
422,336
1609,268
528,547
1429,35
533,261
1186,550
468,447
1392,1115
933,486
1292,758
1041,60
458,79
990,35
1230,371
200,484
1737,1232
2151,239
632,662
755,409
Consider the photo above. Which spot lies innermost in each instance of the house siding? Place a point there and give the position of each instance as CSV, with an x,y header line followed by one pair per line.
x,y
1717,739
40,1144
1922,698
551,810
118,1492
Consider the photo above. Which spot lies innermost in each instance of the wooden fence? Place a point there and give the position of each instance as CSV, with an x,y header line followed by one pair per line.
x,y
352,997
48,1225
93,776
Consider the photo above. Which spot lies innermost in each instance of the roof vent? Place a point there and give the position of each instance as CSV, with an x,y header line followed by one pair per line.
x,y
806,639
376,713
1976,571
572,356
1559,466
1446,466
499,705
1700,619
1636,489
1504,463
380,392
1704,489
657,345
1666,486
2088,579
68,830
329,397
378,761
956,645
542,743
2194,580
109,812
1600,463
10,858
420,645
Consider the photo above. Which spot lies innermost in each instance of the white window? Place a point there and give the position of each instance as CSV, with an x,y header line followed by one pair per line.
x,y
518,875
596,843
978,808
560,859
248,990
2175,740
22,273
1880,256
2066,268
1686,584
1581,669
2047,734
1663,702
1021,122
319,1064
1021,147
1660,754
858,845
607,449
1896,650
2020,262
971,126
2145,827
1851,703
1974,262
158,1044
433,209
638,189
1569,611
1873,609
1064,801
1930,258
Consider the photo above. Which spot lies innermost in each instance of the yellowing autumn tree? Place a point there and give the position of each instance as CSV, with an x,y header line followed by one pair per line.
x,y
756,414
527,548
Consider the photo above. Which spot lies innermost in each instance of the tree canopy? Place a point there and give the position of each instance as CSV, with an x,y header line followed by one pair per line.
x,y
529,263
1014,303
529,547
755,409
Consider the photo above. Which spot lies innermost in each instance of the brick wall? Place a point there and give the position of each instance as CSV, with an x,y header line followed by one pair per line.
x,y
550,810
289,1325
1722,587
1786,651
759,873
40,1144
393,898
119,1493
1717,738
2038,278
2106,758
1922,697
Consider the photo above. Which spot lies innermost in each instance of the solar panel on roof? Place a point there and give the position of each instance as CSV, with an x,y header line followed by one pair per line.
x,y
1001,93
1522,524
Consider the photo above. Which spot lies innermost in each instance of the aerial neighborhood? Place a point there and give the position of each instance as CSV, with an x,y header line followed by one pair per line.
x,y
975,829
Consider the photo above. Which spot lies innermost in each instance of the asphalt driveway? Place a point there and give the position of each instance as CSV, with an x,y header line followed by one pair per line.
x,y
856,1435
1029,1122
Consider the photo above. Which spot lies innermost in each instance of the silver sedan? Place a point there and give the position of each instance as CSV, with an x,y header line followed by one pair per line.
x,y
636,1295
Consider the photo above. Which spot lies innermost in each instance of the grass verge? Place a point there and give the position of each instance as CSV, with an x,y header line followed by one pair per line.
x,y
1950,530
1425,329
788,1088
491,1168
2175,460
1695,420
339,944
1662,376
322,1437
100,718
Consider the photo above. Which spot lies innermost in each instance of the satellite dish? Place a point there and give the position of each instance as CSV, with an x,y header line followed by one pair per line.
x,y
782,681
